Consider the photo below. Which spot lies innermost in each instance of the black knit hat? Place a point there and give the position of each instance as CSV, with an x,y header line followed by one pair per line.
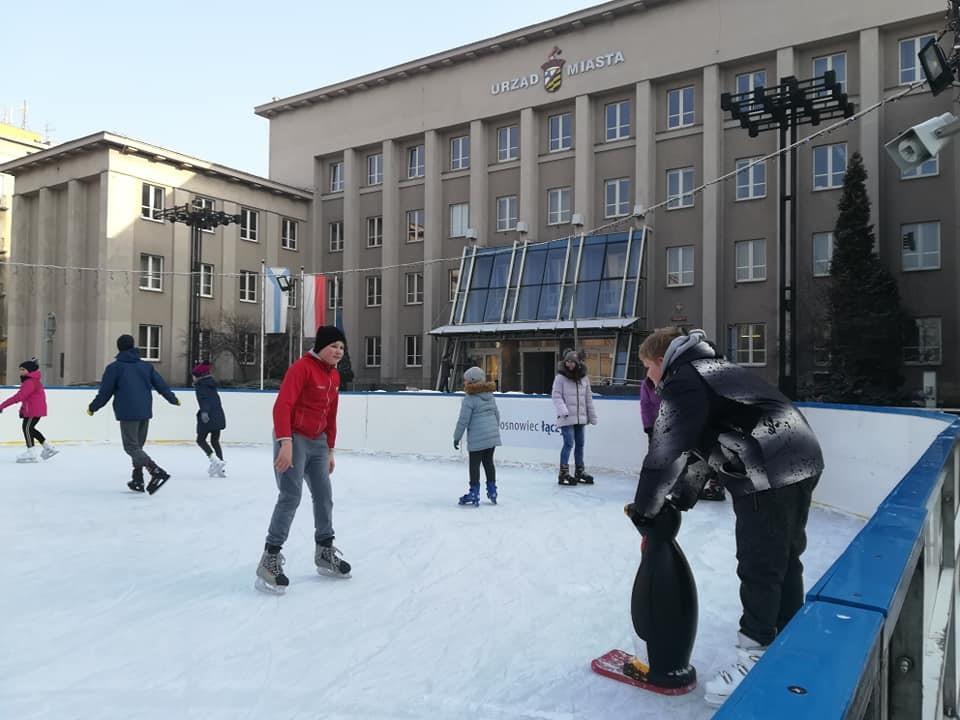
x,y
30,365
125,342
327,335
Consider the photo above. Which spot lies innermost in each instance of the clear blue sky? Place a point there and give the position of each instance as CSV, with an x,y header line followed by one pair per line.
x,y
187,75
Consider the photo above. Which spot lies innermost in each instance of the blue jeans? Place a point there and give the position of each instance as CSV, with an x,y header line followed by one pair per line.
x,y
310,463
572,440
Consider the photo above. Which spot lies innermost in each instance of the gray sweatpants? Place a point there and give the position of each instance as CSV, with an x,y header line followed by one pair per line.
x,y
310,463
134,436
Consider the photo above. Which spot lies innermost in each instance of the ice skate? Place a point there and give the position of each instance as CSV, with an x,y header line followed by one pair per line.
x,y
158,478
270,577
136,480
668,683
29,456
472,497
564,477
492,492
583,477
329,560
217,468
728,679
48,451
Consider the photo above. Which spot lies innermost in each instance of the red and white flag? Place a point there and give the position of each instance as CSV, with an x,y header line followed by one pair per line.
x,y
314,303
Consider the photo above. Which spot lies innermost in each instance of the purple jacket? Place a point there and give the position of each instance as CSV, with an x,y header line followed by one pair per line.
x,y
649,404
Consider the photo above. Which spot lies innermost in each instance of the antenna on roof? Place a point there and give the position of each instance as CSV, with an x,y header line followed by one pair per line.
x,y
23,115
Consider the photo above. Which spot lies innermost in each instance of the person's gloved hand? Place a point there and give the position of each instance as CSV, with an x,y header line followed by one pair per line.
x,y
204,417
456,444
640,521
176,401
89,412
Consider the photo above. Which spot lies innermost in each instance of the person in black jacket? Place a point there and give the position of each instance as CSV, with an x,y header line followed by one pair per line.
x,y
717,416
130,382
210,418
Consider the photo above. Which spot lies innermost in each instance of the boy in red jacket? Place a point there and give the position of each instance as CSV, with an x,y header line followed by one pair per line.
x,y
33,407
305,431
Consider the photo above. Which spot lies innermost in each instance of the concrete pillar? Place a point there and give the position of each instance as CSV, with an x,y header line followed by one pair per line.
x,y
530,172
42,289
175,350
645,174
871,91
18,289
70,316
711,266
392,241
114,301
584,183
351,283
434,286
479,207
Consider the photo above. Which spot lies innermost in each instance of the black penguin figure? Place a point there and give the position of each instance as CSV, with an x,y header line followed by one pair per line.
x,y
664,608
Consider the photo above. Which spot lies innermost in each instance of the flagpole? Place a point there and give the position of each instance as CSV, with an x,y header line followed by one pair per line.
x,y
263,316
303,305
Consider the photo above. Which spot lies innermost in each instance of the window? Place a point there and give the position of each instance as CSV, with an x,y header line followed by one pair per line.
x,y
680,266
375,231
459,219
151,272
507,213
151,203
149,342
248,286
454,279
829,166
292,293
206,280
374,291
617,119
413,352
375,169
508,143
336,236
372,351
923,345
680,108
204,203
822,253
559,205
748,344
334,295
414,226
836,62
414,288
288,234
927,169
751,180
751,256
679,188
616,195
248,349
560,132
416,163
460,153
336,177
921,246
748,82
249,220
910,68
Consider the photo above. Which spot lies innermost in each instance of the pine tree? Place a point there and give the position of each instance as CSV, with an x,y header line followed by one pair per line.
x,y
863,306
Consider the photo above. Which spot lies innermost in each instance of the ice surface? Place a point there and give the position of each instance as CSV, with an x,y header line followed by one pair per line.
x,y
119,605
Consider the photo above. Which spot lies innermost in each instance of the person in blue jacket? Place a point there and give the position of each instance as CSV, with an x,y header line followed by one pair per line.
x,y
210,418
480,419
130,382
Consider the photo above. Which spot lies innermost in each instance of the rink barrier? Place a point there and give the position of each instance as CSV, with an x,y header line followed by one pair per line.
x,y
877,637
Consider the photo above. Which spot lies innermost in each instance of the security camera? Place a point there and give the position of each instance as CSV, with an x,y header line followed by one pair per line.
x,y
914,147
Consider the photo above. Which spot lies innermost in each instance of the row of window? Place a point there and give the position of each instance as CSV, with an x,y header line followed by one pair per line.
x,y
413,295
412,351
152,206
151,279
150,344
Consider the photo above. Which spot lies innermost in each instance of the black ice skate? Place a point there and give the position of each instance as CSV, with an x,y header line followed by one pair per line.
x,y
270,577
136,480
158,478
582,476
329,560
564,477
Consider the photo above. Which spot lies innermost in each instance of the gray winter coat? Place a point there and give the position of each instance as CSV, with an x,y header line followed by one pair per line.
x,y
479,417
573,398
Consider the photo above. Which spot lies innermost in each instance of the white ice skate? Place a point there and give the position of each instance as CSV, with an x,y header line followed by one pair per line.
x,y
29,456
728,679
48,451
218,468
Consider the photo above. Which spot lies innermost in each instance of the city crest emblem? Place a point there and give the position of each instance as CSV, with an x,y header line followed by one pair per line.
x,y
553,71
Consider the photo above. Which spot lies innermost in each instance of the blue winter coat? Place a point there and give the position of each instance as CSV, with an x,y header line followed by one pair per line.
x,y
479,417
208,399
129,381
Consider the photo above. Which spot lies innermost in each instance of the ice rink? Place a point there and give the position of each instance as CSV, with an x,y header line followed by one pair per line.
x,y
120,605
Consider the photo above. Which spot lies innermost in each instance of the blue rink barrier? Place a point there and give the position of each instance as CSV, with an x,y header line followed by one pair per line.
x,y
877,637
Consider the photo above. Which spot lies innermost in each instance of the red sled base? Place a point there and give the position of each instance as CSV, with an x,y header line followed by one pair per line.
x,y
610,665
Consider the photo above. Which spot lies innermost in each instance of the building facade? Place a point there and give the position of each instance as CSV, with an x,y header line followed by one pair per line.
x,y
581,118
14,143
96,203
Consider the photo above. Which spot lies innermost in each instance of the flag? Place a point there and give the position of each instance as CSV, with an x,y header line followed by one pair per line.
x,y
314,303
275,301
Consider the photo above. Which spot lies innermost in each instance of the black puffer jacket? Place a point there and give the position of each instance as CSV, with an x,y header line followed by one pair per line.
x,y
719,414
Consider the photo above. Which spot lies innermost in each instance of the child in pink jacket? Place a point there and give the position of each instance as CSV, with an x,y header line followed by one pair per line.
x,y
33,406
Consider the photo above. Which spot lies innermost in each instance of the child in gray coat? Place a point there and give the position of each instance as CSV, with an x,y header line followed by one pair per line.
x,y
480,418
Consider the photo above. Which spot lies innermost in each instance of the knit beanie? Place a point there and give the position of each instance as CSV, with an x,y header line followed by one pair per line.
x,y
201,369
474,375
125,342
30,365
327,335
571,356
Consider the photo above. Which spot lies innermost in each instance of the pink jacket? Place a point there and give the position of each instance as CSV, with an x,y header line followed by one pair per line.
x,y
32,395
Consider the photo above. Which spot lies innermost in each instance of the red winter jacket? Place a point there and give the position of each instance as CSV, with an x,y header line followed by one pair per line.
x,y
308,400
32,395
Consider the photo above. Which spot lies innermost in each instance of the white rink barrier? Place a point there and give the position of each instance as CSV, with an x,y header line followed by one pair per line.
x,y
867,450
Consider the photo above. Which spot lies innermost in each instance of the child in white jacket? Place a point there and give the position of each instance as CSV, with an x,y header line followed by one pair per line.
x,y
573,400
